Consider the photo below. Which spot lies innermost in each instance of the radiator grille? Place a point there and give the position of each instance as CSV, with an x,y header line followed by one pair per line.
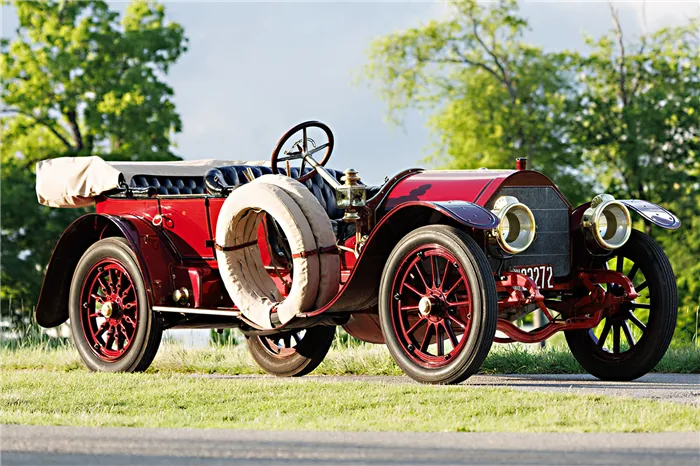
x,y
552,245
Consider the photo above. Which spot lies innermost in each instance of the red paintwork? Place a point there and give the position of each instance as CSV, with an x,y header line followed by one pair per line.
x,y
583,313
446,185
185,223
477,186
178,251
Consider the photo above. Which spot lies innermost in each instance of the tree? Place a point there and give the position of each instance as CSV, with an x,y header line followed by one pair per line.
x,y
635,124
634,116
491,97
77,80
622,118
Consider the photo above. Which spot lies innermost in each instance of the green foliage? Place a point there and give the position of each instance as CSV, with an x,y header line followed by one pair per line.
x,y
622,118
78,80
491,96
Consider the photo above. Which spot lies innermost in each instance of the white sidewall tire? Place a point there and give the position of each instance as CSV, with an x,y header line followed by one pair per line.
x,y
322,230
242,271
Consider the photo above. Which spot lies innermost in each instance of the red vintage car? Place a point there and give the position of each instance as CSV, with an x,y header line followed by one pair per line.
x,y
437,265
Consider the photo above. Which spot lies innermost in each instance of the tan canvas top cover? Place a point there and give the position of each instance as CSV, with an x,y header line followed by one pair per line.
x,y
76,181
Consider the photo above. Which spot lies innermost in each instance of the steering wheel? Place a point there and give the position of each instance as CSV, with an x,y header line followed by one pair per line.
x,y
301,148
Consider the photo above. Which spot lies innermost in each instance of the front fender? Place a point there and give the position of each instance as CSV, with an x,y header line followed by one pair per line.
x,y
360,291
653,213
466,213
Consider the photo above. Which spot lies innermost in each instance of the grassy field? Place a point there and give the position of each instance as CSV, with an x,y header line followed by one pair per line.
x,y
343,359
182,400
51,386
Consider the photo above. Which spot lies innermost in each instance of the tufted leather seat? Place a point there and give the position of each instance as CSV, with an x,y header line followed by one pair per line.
x,y
170,184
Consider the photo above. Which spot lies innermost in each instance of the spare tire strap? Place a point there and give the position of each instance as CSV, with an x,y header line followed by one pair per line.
x,y
236,247
313,252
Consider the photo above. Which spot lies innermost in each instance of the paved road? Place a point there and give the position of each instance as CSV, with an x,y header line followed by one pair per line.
x,y
35,445
682,388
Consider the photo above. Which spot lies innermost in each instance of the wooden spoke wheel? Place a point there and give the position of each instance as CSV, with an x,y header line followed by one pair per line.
x,y
634,335
112,325
438,305
292,353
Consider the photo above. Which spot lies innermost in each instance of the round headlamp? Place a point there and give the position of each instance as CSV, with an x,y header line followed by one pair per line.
x,y
607,222
516,230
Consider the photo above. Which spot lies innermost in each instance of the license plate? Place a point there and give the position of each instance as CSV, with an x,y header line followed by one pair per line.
x,y
542,274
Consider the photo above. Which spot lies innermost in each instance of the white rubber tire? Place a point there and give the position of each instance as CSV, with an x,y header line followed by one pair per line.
x,y
322,230
242,271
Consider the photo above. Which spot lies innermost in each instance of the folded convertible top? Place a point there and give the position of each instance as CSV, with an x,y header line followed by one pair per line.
x,y
76,181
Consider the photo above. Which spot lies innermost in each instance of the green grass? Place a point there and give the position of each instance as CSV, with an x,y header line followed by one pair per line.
x,y
344,359
182,400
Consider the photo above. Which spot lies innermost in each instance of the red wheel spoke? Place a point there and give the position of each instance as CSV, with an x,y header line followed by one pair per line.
x,y
628,334
456,321
440,339
102,286
110,338
413,289
415,326
426,338
433,272
444,274
637,322
451,333
112,284
102,329
466,302
444,321
604,333
118,285
454,287
126,290
97,298
121,337
422,278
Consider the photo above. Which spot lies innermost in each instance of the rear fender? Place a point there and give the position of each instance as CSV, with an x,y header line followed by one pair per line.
x,y
362,287
52,306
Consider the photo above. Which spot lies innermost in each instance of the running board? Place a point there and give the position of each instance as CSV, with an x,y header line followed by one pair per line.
x,y
187,310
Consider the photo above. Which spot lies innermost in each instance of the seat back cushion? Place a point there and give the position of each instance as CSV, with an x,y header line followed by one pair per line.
x,y
170,184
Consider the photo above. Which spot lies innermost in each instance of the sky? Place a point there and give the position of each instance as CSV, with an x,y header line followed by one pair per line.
x,y
254,69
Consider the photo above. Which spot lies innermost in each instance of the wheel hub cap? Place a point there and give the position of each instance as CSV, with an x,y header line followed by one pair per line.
x,y
107,309
425,305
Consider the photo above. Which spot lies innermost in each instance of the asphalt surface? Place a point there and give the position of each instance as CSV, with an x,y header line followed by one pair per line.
x,y
34,445
681,388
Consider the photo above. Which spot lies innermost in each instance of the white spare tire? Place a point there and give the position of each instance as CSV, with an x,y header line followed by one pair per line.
x,y
322,230
247,281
